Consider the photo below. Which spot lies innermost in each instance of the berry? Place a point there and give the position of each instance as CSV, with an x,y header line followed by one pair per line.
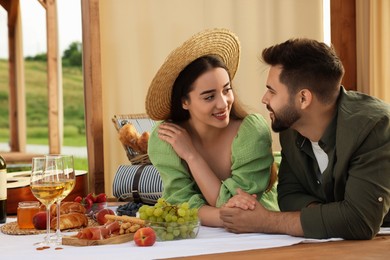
x,y
78,199
129,209
92,197
102,197
87,202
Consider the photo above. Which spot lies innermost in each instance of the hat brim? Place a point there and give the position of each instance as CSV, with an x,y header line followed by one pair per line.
x,y
220,42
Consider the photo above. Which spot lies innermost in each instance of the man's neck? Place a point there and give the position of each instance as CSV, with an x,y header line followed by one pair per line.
x,y
313,123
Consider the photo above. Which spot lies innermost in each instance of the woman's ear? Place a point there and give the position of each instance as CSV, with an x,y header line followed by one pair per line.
x,y
306,97
184,103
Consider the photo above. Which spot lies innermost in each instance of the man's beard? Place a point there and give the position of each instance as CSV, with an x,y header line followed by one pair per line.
x,y
285,118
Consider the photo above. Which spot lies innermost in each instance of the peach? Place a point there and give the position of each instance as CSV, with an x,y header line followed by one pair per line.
x,y
39,220
145,237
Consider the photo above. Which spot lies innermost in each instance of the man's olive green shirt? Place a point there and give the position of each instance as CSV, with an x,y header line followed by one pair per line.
x,y
354,190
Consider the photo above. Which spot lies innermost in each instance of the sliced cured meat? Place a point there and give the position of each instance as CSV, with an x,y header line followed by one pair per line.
x,y
100,232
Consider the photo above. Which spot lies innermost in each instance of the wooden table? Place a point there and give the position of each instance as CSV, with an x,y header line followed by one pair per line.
x,y
20,247
377,248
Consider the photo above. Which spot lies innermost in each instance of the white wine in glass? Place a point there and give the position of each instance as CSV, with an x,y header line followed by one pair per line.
x,y
47,184
70,182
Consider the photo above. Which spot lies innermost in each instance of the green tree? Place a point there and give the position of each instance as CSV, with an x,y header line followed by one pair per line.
x,y
38,57
73,55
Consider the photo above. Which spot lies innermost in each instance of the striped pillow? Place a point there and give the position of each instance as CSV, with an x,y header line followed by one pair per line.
x,y
138,183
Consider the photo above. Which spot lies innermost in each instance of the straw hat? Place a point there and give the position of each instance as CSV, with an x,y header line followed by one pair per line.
x,y
220,42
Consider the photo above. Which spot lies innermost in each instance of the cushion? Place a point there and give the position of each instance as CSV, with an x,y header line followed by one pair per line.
x,y
138,183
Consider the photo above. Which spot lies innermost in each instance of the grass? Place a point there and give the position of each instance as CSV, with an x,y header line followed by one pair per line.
x,y
37,106
79,164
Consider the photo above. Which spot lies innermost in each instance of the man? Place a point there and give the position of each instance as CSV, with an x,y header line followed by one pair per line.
x,y
334,177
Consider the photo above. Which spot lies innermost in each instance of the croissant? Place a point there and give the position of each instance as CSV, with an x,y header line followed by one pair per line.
x,y
68,207
142,142
128,135
70,220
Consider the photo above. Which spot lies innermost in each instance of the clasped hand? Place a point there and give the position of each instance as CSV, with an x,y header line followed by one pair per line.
x,y
243,213
242,200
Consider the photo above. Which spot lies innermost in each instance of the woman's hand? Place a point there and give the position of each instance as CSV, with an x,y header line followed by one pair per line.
x,y
242,200
178,138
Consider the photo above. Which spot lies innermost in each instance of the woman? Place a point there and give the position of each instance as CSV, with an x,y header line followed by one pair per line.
x,y
207,146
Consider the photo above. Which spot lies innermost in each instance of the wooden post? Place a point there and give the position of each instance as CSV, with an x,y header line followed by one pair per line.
x,y
52,77
343,38
93,94
12,8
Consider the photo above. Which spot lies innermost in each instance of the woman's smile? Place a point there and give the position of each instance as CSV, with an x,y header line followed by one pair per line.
x,y
221,116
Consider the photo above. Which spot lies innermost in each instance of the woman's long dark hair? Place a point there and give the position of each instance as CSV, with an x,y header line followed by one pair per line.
x,y
184,85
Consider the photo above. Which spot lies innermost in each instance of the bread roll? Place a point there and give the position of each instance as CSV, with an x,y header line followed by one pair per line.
x,y
128,135
142,142
67,207
70,220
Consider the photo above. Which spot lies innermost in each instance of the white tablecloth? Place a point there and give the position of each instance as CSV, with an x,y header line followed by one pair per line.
x,y
208,241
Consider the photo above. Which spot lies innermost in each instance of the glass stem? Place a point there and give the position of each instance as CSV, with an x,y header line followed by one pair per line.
x,y
48,223
58,232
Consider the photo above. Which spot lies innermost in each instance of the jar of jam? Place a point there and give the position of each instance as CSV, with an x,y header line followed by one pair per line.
x,y
25,213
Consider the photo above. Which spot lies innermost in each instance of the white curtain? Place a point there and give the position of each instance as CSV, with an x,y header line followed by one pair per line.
x,y
373,41
136,36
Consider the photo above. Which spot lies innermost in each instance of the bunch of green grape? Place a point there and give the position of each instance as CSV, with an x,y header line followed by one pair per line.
x,y
171,222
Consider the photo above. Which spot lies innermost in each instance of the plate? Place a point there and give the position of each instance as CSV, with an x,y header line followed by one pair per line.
x,y
117,239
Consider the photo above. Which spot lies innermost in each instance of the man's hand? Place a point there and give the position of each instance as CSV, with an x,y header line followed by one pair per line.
x,y
239,220
259,219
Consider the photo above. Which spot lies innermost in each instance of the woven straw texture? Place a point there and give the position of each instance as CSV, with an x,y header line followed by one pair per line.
x,y
12,228
220,42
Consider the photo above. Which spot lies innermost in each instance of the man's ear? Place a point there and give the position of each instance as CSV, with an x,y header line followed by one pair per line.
x,y
305,98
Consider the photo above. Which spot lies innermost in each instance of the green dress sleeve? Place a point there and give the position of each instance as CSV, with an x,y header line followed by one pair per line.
x,y
178,184
251,162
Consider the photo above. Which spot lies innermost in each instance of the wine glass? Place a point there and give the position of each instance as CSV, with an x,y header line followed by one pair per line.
x,y
70,183
47,184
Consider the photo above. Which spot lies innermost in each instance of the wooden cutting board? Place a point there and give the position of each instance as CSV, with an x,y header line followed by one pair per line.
x,y
119,239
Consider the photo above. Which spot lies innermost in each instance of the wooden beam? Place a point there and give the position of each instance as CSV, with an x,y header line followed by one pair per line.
x,y
4,4
13,12
43,3
93,94
52,77
343,38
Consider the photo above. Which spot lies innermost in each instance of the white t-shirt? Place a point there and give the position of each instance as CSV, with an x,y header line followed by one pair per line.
x,y
321,156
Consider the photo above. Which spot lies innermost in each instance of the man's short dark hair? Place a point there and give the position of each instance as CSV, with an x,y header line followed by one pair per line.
x,y
307,64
